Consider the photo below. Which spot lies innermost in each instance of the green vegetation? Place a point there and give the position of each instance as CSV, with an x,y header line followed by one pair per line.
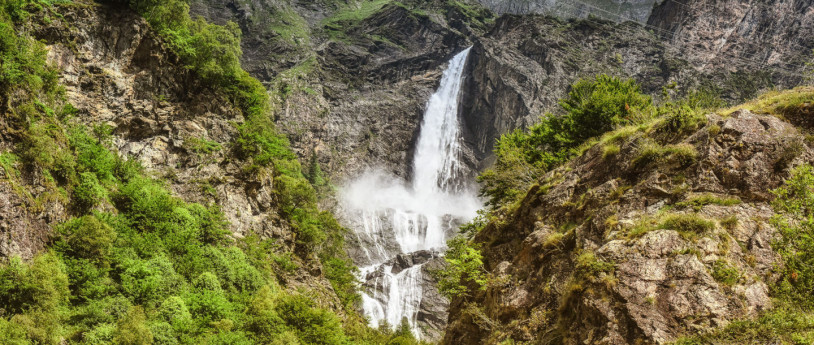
x,y
791,104
650,152
593,107
136,265
795,221
464,272
725,273
699,201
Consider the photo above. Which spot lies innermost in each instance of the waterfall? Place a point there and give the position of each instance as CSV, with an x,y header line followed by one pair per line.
x,y
394,218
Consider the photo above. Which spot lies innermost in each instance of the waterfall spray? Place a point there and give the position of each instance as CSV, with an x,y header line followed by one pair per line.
x,y
415,216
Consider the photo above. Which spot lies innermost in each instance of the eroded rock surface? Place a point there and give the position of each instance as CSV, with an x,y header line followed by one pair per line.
x,y
587,258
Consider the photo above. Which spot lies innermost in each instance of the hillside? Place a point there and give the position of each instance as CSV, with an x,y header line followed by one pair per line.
x,y
663,228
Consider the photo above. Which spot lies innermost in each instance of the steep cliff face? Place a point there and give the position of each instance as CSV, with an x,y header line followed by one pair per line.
x,y
525,64
616,10
354,92
740,36
668,236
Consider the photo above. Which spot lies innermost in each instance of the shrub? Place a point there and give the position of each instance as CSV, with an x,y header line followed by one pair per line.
x,y
312,325
464,268
794,205
725,273
88,238
132,329
593,106
89,192
42,285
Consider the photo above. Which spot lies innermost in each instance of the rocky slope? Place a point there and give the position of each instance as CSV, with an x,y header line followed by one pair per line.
x,y
669,236
117,72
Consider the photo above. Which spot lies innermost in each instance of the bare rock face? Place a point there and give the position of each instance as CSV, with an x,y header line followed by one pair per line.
x,y
741,36
589,258
616,10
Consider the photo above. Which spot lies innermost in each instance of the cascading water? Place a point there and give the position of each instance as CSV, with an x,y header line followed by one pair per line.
x,y
394,217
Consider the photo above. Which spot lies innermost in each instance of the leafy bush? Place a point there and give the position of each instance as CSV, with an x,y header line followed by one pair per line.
x,y
312,325
89,192
88,238
464,269
41,285
593,106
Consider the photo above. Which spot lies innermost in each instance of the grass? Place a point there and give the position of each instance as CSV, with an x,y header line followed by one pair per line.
x,y
699,201
689,226
351,15
291,27
724,273
781,103
651,152
787,323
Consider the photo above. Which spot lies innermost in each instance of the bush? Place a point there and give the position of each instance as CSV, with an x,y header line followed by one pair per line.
x,y
88,238
593,107
89,192
132,329
313,326
42,285
794,205
464,269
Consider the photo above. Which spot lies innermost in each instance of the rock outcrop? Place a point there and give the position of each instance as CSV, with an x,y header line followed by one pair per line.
x,y
629,248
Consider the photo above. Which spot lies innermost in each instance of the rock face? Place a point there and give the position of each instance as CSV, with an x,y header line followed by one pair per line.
x,y
740,36
526,64
590,256
118,72
616,10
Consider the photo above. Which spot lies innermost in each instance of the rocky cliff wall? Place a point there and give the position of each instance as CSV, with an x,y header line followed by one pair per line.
x,y
616,10
600,251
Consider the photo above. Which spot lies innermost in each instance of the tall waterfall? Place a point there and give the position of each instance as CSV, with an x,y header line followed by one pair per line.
x,y
403,225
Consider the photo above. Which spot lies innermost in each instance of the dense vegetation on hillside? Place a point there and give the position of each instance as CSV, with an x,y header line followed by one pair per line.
x,y
136,265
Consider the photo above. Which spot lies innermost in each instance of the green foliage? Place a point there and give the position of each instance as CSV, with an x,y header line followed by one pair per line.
x,y
650,152
794,204
88,238
313,326
132,329
784,324
688,225
42,285
725,273
699,201
89,192
464,271
593,107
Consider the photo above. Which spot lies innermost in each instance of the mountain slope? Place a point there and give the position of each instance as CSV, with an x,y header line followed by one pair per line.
x,y
657,230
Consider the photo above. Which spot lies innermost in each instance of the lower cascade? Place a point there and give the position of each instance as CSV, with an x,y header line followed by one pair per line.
x,y
401,226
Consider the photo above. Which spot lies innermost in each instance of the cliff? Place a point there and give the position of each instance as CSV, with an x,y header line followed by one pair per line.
x,y
654,232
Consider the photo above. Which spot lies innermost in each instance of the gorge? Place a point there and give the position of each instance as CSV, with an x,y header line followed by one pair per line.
x,y
292,172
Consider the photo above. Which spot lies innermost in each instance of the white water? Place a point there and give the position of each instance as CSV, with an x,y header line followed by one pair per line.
x,y
415,215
